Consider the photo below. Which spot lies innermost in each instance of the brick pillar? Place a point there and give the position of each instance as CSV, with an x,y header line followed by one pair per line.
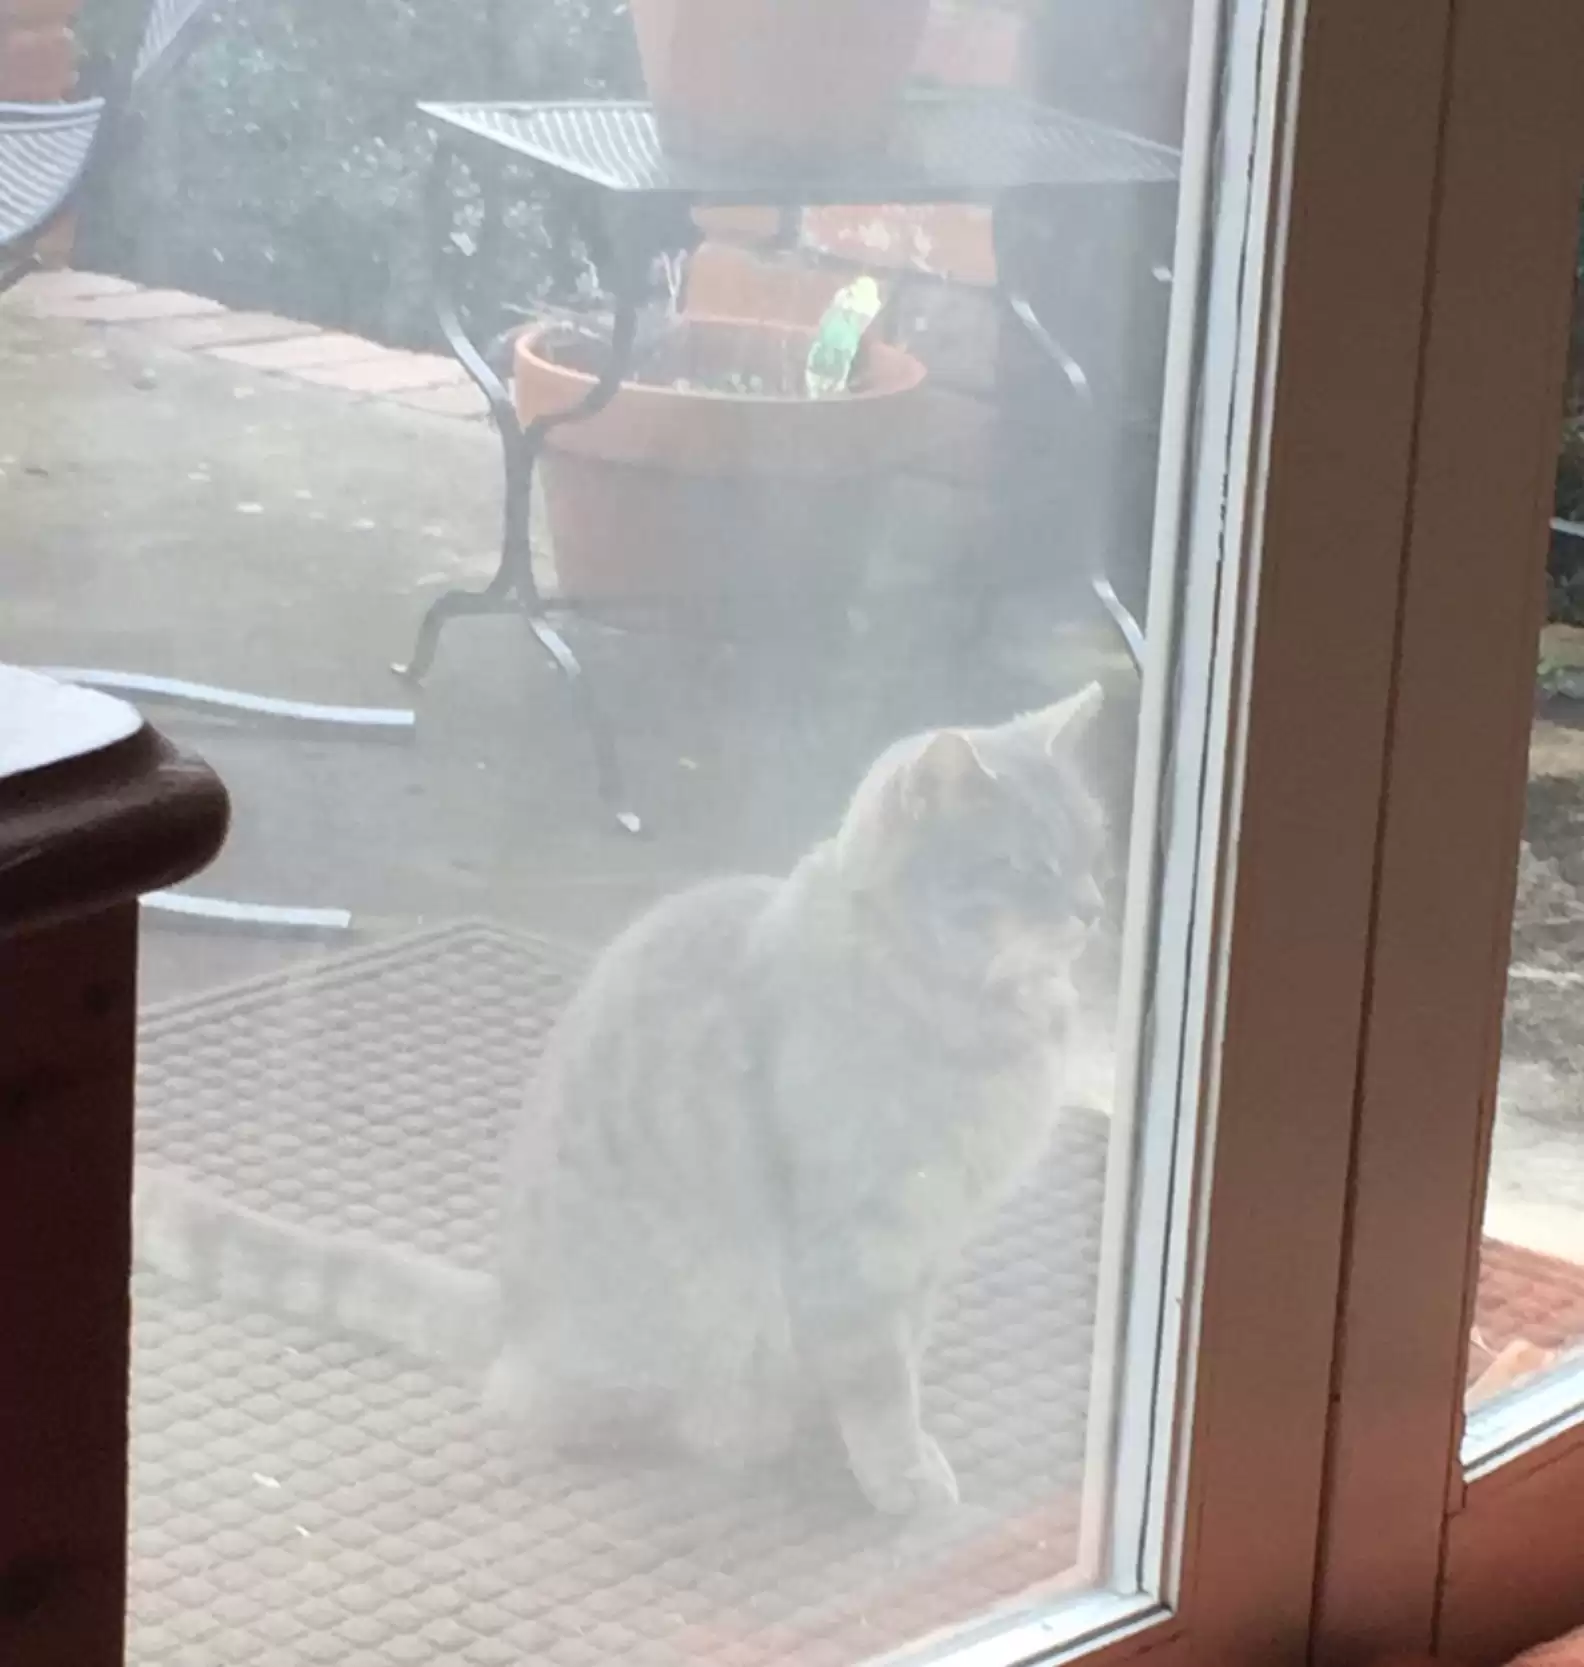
x,y
38,51
38,64
975,43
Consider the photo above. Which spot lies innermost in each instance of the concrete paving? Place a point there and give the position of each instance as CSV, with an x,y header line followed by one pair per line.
x,y
218,497
169,509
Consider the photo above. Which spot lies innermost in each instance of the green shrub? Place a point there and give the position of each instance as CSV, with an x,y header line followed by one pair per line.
x,y
1565,571
282,165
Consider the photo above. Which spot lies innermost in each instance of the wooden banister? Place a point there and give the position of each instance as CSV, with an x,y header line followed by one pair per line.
x,y
95,808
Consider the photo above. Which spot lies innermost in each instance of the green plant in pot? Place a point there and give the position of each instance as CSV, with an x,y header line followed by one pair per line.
x,y
797,79
737,467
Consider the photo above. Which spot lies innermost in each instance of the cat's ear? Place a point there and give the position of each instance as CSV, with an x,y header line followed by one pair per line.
x,y
1065,723
947,774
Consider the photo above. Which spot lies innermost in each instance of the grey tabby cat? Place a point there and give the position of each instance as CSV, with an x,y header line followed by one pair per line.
x,y
761,1132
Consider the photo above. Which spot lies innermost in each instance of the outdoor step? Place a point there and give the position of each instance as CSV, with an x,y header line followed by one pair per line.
x,y
393,372
65,284
461,399
306,352
129,306
224,329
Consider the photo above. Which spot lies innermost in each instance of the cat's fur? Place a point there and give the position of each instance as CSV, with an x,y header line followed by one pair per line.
x,y
761,1132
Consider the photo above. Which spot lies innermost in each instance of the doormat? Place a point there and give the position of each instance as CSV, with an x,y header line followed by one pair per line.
x,y
307,1499
301,1500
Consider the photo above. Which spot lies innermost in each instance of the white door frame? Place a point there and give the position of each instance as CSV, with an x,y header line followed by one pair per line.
x,y
1413,1553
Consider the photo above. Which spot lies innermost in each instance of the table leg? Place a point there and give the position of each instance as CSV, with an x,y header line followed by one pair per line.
x,y
500,595
1116,611
607,766
1015,299
513,588
505,593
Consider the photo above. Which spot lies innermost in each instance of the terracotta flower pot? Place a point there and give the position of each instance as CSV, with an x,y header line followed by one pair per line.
x,y
676,494
792,78
34,13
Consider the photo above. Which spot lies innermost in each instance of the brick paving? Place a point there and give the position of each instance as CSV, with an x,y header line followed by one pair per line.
x,y
131,306
285,347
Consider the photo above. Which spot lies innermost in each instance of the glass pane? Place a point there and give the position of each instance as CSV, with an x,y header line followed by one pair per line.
x,y
1530,1312
637,1130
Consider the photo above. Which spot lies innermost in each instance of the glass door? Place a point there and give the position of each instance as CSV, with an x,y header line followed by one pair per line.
x,y
1457,1463
805,1114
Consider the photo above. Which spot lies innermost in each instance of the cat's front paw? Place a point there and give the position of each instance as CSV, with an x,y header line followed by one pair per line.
x,y
925,1481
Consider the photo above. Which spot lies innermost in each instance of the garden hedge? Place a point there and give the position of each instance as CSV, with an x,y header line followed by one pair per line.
x,y
281,165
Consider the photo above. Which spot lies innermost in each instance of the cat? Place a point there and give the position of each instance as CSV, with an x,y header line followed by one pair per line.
x,y
760,1134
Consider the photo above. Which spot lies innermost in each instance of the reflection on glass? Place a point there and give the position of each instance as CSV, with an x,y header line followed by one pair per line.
x,y
1530,1312
668,1248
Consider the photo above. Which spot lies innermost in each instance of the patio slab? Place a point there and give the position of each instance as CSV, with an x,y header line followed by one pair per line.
x,y
172,510
169,511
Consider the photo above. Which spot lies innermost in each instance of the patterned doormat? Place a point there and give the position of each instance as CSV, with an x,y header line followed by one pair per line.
x,y
304,1499
308,1501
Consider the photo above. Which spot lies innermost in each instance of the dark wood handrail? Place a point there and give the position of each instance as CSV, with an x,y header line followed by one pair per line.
x,y
95,808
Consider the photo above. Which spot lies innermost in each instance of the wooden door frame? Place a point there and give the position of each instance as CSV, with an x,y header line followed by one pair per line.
x,y
1413,1555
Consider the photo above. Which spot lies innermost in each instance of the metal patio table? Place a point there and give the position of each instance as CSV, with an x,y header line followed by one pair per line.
x,y
633,202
